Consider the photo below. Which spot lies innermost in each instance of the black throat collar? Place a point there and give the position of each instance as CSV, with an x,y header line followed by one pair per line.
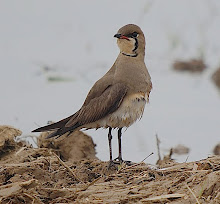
x,y
130,55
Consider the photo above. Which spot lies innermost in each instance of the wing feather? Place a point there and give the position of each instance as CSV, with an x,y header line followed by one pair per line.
x,y
98,107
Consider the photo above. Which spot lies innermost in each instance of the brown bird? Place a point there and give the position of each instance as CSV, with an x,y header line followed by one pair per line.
x,y
118,99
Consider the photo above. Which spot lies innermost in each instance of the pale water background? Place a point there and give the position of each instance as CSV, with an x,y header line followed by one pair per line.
x,y
75,39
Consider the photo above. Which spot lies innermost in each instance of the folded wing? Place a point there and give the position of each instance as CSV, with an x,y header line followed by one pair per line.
x,y
94,108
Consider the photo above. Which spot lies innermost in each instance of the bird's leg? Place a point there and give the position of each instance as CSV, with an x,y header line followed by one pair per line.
x,y
119,158
110,143
119,145
111,163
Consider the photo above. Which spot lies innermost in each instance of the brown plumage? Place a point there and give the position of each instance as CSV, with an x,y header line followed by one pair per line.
x,y
118,99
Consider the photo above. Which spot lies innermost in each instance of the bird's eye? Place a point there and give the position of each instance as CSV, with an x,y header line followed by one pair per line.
x,y
134,34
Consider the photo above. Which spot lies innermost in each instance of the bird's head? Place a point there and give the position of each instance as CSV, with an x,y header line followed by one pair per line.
x,y
131,40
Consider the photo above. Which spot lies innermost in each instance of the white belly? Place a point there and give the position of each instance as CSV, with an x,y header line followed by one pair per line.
x,y
130,110
127,114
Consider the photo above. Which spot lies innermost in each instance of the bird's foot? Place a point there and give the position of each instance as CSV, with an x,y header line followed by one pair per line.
x,y
119,160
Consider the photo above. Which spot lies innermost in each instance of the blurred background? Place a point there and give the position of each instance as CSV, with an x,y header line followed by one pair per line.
x,y
52,52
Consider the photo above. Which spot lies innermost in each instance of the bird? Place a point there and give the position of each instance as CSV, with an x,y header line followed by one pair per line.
x,y
118,98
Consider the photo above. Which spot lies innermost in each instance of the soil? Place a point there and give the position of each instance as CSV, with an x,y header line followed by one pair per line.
x,y
49,174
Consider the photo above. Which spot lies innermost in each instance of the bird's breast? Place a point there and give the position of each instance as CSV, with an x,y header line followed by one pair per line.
x,y
131,109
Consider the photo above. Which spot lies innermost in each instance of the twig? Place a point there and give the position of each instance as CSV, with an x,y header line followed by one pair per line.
x,y
20,150
170,153
67,167
142,160
158,147
193,194
90,184
163,197
182,170
186,159
129,167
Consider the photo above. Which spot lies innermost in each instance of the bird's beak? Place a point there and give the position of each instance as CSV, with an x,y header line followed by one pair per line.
x,y
117,35
120,36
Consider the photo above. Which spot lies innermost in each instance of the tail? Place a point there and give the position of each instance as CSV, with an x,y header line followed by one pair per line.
x,y
59,127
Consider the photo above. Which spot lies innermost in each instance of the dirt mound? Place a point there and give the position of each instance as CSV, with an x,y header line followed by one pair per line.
x,y
7,141
76,146
39,176
194,65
